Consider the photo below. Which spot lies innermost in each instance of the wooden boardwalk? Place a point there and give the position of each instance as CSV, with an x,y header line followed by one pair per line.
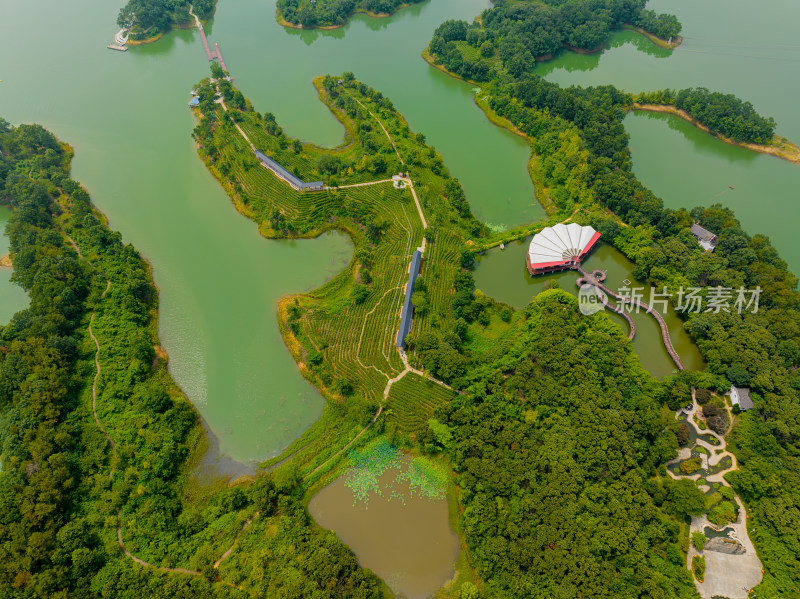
x,y
592,279
210,54
218,54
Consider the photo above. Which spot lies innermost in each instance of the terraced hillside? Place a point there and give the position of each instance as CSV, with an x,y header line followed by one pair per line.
x,y
413,401
343,334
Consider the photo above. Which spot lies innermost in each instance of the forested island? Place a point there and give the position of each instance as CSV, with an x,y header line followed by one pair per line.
x,y
148,19
499,48
728,117
512,36
328,14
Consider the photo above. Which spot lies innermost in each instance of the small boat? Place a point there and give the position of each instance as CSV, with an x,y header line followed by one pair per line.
x,y
731,186
502,246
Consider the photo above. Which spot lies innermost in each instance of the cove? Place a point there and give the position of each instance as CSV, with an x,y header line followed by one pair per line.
x,y
687,168
219,282
12,297
394,530
502,275
491,162
732,46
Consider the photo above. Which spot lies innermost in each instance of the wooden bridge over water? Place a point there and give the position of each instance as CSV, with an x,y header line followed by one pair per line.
x,y
210,54
595,279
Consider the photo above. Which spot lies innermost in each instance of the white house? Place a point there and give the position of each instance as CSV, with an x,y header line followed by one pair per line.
x,y
740,396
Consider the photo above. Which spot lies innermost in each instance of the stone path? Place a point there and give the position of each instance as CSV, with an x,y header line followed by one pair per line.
x,y
727,575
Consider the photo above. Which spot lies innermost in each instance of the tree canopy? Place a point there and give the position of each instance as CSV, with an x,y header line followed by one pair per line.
x,y
326,13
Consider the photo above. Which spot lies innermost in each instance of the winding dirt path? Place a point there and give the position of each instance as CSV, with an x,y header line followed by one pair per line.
x,y
98,371
236,540
94,383
353,440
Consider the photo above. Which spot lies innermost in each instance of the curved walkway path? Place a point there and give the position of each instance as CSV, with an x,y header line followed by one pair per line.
x,y
121,37
343,449
594,279
727,575
94,383
619,310
98,372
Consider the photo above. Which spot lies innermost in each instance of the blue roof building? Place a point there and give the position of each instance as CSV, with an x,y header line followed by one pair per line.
x,y
285,175
408,307
194,101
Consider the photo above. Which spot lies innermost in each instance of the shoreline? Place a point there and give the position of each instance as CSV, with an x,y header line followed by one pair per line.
x,y
160,34
538,185
658,41
148,40
780,148
375,15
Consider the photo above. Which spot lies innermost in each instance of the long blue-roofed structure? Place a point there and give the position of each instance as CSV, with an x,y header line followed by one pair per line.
x,y
284,174
408,307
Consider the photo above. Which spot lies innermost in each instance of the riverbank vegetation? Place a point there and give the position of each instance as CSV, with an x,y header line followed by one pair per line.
x,y
150,18
79,472
334,13
720,113
581,148
501,428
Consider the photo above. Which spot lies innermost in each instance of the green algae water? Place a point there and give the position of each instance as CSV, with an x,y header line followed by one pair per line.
x,y
219,281
384,53
12,297
502,275
733,46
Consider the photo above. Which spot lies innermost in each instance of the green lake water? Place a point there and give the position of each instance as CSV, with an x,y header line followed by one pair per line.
x,y
502,274
733,46
219,281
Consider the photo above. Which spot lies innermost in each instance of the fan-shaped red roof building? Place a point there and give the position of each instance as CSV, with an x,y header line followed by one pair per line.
x,y
560,247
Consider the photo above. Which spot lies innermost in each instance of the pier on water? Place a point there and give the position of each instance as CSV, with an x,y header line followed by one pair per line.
x,y
210,54
120,41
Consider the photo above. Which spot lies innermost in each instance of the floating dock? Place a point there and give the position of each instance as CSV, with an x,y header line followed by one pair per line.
x,y
117,47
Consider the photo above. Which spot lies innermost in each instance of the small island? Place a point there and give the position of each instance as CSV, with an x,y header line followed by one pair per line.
x,y
512,37
330,14
146,21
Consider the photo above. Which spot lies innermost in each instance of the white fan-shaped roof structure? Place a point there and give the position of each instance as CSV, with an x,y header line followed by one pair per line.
x,y
560,244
